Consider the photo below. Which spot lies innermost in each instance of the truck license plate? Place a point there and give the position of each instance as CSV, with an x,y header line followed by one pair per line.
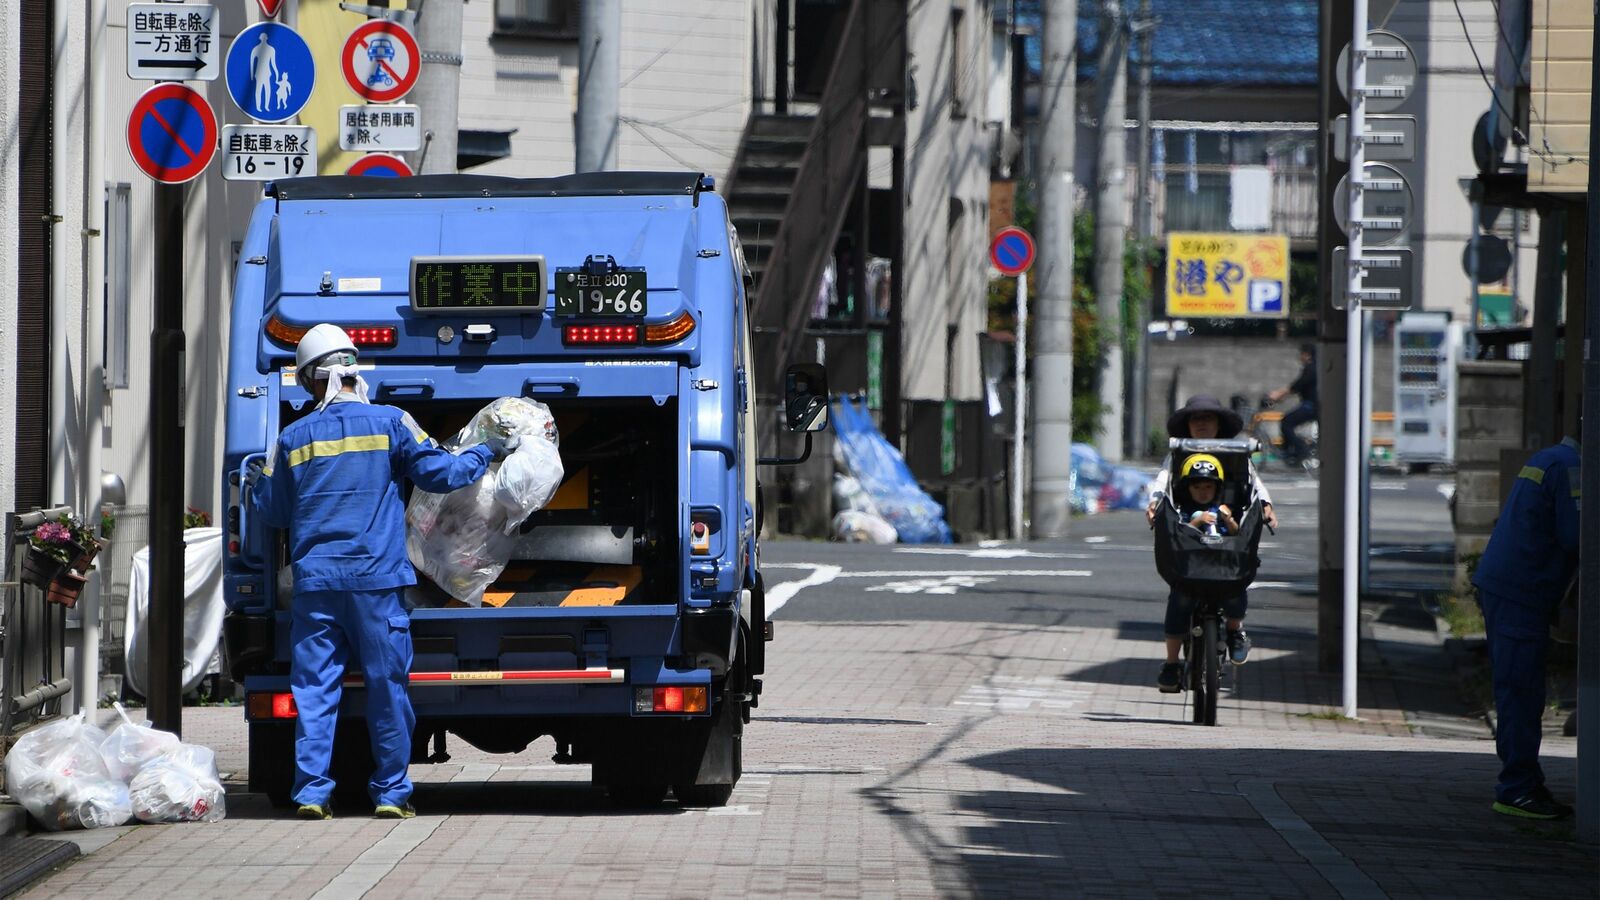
x,y
619,294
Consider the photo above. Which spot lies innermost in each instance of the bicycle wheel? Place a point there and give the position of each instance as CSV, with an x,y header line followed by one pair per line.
x,y
1198,664
1213,668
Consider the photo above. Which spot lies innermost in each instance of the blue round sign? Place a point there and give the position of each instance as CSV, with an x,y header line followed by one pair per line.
x,y
270,72
1011,251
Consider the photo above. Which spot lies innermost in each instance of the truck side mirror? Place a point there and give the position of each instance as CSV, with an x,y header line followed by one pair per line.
x,y
805,400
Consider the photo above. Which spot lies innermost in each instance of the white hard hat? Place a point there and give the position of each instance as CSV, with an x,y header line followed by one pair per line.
x,y
318,343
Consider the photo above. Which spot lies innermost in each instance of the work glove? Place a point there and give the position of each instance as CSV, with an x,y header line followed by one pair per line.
x,y
501,445
252,472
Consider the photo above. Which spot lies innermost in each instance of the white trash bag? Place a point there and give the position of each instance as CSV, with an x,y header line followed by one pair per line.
x,y
57,774
856,527
463,540
131,746
180,786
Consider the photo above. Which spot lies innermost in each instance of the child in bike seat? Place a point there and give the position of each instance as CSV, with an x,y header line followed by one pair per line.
x,y
1198,491
1203,417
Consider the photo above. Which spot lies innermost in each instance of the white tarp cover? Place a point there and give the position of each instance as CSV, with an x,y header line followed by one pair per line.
x,y
202,611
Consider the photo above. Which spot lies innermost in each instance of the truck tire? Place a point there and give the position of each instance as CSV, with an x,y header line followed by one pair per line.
x,y
271,761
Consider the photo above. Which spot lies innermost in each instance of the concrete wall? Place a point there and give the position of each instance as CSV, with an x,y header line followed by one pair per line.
x,y
686,88
1488,423
947,201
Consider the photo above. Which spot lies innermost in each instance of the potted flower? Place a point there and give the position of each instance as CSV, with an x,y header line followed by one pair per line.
x,y
50,549
65,588
83,536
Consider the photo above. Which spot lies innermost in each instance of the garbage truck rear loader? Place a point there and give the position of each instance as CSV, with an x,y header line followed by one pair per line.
x,y
628,623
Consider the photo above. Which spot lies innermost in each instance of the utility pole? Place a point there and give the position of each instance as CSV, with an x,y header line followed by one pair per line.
x,y
1588,796
1144,229
1110,222
1051,412
438,90
599,77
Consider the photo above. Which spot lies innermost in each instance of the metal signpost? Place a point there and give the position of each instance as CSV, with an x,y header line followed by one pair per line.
x,y
1012,252
270,72
268,152
392,128
172,42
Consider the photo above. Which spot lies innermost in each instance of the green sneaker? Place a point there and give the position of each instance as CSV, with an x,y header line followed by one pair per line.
x,y
404,811
314,811
1536,804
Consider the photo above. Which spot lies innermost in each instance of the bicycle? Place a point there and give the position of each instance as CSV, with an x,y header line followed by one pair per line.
x,y
1205,656
1265,425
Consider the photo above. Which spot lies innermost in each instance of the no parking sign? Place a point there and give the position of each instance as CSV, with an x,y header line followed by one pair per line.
x,y
172,133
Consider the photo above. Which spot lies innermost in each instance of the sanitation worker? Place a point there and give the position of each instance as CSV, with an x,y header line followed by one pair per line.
x,y
334,481
1524,571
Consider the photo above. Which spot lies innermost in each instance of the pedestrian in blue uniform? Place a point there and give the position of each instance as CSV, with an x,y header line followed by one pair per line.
x,y
334,480
1531,556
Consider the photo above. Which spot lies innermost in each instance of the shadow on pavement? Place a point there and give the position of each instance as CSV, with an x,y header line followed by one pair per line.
x,y
1177,822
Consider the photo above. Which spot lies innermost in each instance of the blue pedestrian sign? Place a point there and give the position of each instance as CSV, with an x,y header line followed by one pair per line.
x,y
270,72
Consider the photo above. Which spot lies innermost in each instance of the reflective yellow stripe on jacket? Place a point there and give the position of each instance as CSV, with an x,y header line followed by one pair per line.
x,y
358,444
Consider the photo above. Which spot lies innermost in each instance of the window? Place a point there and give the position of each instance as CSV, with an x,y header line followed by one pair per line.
x,y
959,69
118,234
553,19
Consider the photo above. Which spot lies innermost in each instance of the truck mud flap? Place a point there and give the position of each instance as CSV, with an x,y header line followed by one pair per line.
x,y
709,638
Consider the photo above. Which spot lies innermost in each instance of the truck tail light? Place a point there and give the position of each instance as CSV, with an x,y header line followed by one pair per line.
x,y
670,699
374,336
599,335
271,705
670,332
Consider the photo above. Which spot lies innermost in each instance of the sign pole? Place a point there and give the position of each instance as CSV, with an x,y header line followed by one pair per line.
x,y
1354,464
1019,443
165,677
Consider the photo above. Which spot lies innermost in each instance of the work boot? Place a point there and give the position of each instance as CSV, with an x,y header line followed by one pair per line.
x,y
1535,804
1170,681
1238,647
403,811
314,811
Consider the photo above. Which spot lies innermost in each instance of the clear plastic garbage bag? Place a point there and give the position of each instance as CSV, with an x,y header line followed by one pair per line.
x,y
131,746
854,526
57,774
180,787
463,540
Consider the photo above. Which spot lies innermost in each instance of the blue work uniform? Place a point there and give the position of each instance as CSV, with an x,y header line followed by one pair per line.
x,y
1524,571
334,481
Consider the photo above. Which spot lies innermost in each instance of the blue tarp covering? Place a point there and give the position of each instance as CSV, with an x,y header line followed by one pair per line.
x,y
1098,485
882,471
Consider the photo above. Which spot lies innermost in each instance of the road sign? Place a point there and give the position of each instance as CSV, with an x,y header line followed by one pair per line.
x,y
1391,138
1388,203
380,165
270,72
168,42
1386,283
393,128
172,133
1012,250
268,152
1391,71
1492,255
381,61
269,8
1229,276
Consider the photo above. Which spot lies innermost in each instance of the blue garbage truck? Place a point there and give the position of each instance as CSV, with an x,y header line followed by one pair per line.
x,y
628,625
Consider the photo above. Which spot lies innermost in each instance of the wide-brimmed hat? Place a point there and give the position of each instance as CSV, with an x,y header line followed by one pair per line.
x,y
1228,421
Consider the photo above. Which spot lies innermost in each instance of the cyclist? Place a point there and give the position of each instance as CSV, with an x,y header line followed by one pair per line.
x,y
1294,446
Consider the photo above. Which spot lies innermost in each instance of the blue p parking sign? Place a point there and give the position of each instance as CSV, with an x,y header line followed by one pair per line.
x,y
270,72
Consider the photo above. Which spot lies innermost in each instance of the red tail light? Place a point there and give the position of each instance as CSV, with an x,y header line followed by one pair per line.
x,y
375,336
262,705
600,335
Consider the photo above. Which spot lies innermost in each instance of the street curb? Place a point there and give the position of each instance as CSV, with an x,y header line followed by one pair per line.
x,y
24,861
13,820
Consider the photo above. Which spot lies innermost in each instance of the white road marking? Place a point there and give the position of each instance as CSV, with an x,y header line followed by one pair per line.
x,y
778,595
961,573
931,585
1097,539
380,859
1013,694
992,553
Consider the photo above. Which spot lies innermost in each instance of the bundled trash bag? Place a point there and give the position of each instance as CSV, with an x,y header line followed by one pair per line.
x,y
131,746
883,473
854,526
179,786
463,540
1097,485
57,774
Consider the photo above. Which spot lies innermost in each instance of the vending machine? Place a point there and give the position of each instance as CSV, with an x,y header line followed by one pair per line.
x,y
1427,349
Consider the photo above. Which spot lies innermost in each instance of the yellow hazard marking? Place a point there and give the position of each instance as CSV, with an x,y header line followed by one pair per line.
x,y
364,443
623,579
573,493
516,573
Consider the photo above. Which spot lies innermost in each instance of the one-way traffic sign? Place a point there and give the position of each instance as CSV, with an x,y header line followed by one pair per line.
x,y
172,42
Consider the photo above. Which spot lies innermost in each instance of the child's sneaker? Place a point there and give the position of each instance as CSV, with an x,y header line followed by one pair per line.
x,y
1170,681
1238,646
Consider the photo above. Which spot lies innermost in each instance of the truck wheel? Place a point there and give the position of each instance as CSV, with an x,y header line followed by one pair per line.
x,y
636,796
272,761
708,795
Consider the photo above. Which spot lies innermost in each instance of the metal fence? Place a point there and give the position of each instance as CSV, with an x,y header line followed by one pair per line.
x,y
33,673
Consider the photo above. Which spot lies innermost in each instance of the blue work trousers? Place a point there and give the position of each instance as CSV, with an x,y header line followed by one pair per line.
x,y
1519,642
331,630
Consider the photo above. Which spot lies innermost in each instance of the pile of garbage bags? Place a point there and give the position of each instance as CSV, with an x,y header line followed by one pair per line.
x,y
1098,485
463,540
70,774
893,496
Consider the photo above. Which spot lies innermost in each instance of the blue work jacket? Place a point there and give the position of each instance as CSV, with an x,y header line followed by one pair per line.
x,y
334,481
1534,547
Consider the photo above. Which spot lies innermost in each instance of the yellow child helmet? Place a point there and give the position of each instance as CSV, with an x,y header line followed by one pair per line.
x,y
1200,467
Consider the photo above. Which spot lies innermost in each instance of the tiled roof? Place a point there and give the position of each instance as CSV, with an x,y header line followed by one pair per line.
x,y
1244,42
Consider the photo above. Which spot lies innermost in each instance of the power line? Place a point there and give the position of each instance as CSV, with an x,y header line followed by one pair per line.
x,y
1550,158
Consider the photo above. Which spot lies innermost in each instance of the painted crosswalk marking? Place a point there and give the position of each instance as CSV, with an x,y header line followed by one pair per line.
x,y
1016,694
